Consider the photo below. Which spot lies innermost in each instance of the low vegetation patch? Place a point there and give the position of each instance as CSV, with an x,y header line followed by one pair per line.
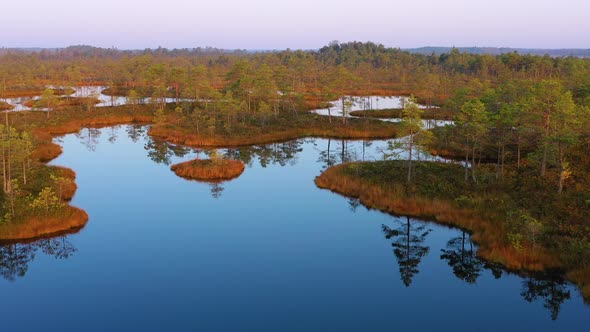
x,y
215,130
209,169
5,106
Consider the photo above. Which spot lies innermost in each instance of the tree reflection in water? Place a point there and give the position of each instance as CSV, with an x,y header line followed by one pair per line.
x,y
15,257
409,249
162,152
268,154
89,137
135,132
466,265
216,189
553,292
408,240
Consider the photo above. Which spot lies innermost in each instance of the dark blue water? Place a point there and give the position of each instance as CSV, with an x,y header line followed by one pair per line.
x,y
265,252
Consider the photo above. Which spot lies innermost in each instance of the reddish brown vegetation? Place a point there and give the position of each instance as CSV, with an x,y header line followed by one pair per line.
x,y
5,106
209,170
70,219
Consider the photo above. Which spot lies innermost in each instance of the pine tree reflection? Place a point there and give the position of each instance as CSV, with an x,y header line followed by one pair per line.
x,y
16,257
135,132
552,291
216,189
408,241
466,265
161,152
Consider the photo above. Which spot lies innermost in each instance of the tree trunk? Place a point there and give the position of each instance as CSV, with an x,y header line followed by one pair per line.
x,y
545,147
561,170
411,138
502,164
466,164
473,164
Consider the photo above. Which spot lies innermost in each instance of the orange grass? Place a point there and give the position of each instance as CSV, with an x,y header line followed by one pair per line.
x,y
489,234
70,218
209,170
5,106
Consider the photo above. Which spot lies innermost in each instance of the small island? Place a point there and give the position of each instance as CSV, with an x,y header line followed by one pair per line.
x,y
209,169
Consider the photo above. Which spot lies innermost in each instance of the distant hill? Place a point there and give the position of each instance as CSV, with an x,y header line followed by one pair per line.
x,y
577,52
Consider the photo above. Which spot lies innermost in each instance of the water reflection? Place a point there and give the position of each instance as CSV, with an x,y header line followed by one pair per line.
x,y
409,237
89,137
464,262
553,292
284,153
216,189
16,257
162,152
408,242
136,132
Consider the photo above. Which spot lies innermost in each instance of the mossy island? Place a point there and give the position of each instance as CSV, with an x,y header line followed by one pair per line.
x,y
209,170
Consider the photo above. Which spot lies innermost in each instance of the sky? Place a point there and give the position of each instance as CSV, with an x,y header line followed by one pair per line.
x,y
300,24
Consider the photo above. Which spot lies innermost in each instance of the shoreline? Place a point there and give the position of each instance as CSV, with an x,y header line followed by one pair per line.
x,y
208,170
445,212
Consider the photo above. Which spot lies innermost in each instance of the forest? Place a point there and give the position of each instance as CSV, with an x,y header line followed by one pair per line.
x,y
520,132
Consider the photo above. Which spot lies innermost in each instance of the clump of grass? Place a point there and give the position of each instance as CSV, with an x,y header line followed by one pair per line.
x,y
209,170
69,219
5,106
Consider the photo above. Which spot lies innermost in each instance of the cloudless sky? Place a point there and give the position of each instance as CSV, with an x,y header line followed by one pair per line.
x,y
300,24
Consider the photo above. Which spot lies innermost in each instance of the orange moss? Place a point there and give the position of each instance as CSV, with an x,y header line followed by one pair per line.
x,y
489,234
71,219
68,189
5,106
209,170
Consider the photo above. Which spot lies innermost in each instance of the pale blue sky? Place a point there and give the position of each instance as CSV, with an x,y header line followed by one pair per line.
x,y
266,24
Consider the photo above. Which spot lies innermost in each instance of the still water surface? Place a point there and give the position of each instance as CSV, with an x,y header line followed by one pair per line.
x,y
268,251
